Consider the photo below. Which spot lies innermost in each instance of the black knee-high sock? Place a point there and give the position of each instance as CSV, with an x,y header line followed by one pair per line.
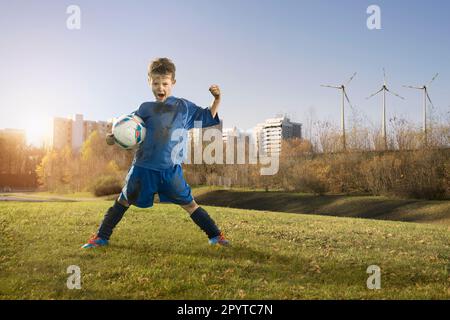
x,y
205,222
111,219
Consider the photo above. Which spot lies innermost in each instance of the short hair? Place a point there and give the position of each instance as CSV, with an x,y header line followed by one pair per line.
x,y
162,66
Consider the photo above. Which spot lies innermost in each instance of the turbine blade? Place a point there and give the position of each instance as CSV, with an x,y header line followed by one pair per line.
x,y
413,87
429,99
374,94
328,86
384,76
351,78
435,76
346,97
395,94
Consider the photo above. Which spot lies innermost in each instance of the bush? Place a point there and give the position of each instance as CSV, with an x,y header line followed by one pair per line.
x,y
307,176
416,174
420,174
426,177
343,173
106,185
310,183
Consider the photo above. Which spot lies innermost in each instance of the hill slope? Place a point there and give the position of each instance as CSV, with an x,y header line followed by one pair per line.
x,y
371,207
160,254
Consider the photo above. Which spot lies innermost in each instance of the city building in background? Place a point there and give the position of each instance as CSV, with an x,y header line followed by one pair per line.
x,y
269,134
232,133
194,133
74,131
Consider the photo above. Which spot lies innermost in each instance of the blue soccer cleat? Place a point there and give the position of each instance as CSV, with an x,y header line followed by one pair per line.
x,y
219,240
95,242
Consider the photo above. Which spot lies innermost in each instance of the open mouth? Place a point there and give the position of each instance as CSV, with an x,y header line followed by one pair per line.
x,y
161,95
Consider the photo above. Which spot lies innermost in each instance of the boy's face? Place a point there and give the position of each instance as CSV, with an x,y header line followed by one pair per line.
x,y
162,85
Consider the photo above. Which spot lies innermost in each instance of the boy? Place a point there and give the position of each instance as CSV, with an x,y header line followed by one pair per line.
x,y
154,169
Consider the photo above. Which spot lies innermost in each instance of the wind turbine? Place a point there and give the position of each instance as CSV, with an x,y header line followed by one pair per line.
x,y
425,97
384,89
344,96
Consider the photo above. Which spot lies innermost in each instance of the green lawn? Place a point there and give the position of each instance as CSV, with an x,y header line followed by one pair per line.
x,y
160,254
83,196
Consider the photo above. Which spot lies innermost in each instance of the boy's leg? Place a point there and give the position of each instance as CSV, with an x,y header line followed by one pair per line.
x,y
138,190
112,218
201,218
174,189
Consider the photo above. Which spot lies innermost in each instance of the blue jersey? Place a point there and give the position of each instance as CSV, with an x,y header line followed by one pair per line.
x,y
161,121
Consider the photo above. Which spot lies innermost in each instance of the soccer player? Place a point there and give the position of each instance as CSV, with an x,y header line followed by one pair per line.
x,y
154,169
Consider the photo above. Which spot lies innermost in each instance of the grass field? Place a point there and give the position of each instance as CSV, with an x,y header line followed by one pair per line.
x,y
339,205
159,253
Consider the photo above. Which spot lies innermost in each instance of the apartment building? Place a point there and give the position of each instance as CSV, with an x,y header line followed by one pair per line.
x,y
269,134
75,130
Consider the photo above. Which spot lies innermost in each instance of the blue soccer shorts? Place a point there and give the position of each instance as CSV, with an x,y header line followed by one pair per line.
x,y
142,184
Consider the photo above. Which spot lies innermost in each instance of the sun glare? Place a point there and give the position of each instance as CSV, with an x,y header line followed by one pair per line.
x,y
37,129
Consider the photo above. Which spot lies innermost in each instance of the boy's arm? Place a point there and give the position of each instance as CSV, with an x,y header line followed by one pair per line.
x,y
215,91
207,116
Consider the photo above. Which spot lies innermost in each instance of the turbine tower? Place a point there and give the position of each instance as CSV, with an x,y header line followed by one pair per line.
x,y
425,97
344,97
384,89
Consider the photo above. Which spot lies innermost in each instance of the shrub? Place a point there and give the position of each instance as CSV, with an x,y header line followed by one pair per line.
x,y
106,185
310,183
302,175
419,174
344,174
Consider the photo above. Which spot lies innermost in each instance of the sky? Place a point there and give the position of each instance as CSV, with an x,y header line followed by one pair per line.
x,y
268,56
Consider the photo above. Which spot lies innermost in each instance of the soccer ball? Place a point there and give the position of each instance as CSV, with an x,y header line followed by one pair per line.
x,y
128,131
